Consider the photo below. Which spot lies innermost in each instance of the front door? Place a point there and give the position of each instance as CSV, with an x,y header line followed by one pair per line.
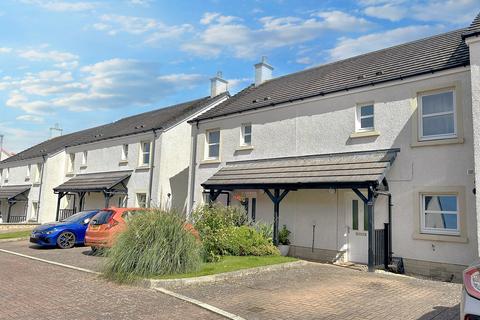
x,y
357,229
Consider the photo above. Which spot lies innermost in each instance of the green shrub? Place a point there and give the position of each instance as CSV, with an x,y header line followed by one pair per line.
x,y
266,229
218,216
155,243
283,236
247,241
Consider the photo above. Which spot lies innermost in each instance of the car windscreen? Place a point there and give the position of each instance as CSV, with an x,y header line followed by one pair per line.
x,y
77,216
101,217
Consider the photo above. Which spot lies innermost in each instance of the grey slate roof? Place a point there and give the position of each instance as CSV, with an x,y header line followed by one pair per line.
x,y
10,192
473,29
93,181
423,56
157,119
297,172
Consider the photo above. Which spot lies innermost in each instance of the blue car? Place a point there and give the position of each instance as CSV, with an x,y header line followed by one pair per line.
x,y
64,234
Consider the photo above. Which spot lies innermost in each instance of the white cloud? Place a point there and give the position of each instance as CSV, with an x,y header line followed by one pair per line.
x,y
144,3
227,34
5,50
457,12
52,55
30,118
348,47
61,6
17,139
304,60
153,29
387,11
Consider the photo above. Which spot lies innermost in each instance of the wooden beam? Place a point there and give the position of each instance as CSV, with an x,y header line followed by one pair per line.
x,y
371,230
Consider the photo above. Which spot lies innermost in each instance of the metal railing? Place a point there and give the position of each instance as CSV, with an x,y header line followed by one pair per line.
x,y
65,213
17,219
382,254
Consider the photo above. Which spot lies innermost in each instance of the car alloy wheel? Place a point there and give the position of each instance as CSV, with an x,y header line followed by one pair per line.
x,y
66,240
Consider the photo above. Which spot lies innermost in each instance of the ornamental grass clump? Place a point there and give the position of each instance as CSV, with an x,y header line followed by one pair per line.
x,y
155,243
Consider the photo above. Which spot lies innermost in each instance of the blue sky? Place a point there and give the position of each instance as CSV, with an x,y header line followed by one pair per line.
x,y
85,63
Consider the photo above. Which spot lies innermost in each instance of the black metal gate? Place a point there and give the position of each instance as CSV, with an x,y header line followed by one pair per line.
x,y
382,248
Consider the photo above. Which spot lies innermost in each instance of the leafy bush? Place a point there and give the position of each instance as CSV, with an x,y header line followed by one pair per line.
x,y
225,231
283,235
266,229
155,243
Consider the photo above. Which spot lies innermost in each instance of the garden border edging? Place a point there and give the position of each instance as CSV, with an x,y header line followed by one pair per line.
x,y
171,283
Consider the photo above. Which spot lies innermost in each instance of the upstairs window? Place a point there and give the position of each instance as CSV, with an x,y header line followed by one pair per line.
x,y
37,173
365,118
84,158
70,162
125,152
145,153
437,116
29,171
7,174
246,138
213,145
440,214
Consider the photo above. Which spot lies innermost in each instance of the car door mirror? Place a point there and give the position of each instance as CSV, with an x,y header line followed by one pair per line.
x,y
86,221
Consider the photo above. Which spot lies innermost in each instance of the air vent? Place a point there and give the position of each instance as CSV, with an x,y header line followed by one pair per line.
x,y
267,98
140,127
256,100
379,73
360,77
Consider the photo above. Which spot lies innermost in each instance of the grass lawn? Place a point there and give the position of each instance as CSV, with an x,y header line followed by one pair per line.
x,y
230,263
15,234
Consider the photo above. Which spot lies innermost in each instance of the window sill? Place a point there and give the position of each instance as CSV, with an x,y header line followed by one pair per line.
x,y
212,161
143,167
440,237
69,174
424,143
83,167
364,134
27,179
123,162
244,148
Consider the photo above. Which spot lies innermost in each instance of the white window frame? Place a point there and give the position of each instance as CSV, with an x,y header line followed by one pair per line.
x,y
84,158
243,134
138,202
7,175
124,152
37,173
359,117
29,171
142,153
453,135
426,230
208,144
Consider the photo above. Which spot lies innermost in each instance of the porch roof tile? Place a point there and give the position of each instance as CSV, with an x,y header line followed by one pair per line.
x,y
92,182
324,170
10,192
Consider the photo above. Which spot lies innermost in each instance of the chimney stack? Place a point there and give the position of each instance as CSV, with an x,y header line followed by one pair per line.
x,y
218,85
263,72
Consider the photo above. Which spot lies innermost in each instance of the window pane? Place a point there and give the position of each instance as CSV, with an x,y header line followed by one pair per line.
x,y
214,137
146,158
247,129
441,220
366,122
441,203
146,147
355,214
213,151
366,111
436,125
441,102
247,139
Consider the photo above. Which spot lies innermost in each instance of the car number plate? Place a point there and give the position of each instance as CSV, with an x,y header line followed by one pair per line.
x,y
33,235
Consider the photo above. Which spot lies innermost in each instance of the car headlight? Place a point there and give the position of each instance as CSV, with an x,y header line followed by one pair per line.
x,y
49,232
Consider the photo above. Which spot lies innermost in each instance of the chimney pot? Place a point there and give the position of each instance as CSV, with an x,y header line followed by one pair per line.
x,y
263,71
218,85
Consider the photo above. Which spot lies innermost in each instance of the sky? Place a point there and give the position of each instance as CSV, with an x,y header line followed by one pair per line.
x,y
85,63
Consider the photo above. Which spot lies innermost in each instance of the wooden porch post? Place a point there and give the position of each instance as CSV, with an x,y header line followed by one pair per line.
x,y
371,230
276,198
60,196
107,199
81,196
10,205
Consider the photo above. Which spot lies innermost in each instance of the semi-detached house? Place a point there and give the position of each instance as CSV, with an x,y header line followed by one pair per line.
x,y
137,161
363,159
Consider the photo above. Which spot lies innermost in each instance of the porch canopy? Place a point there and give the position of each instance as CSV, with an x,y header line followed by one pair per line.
x,y
14,194
109,183
351,170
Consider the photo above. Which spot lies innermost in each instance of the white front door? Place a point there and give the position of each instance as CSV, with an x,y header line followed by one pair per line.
x,y
357,229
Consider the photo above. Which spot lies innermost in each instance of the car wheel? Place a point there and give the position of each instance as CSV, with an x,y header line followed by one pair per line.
x,y
66,240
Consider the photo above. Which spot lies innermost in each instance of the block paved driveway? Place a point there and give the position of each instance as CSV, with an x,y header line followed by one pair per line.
x,y
314,291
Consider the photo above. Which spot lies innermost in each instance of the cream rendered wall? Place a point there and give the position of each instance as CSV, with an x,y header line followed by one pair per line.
x,y
54,175
106,156
320,126
474,45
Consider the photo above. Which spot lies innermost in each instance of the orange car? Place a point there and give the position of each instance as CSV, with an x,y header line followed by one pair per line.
x,y
106,225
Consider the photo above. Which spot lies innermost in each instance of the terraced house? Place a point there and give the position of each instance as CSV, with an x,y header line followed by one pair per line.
x,y
370,160
139,161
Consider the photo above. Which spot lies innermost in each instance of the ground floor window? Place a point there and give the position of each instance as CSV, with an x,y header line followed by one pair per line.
x,y
141,200
440,214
